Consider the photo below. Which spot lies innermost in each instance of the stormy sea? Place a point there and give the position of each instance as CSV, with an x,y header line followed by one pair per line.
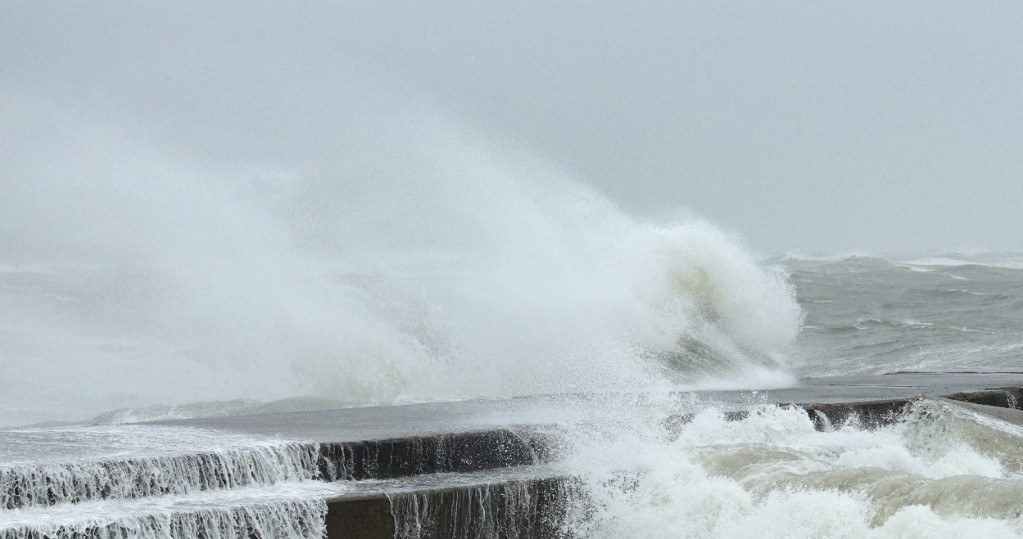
x,y
236,298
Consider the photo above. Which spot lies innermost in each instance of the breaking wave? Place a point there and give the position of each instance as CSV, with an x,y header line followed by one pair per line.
x,y
419,267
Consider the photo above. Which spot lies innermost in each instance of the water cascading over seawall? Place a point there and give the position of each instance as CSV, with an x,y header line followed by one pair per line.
x,y
467,469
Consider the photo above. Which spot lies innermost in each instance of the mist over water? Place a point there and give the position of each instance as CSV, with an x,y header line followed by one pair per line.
x,y
425,262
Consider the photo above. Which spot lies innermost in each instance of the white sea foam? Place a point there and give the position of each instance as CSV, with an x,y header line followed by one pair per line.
x,y
937,473
917,269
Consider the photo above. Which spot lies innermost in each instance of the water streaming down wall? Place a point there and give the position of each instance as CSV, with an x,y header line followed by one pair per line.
x,y
73,482
513,510
299,519
418,455
151,481
252,487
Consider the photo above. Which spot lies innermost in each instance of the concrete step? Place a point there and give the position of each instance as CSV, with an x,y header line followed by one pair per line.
x,y
521,502
30,483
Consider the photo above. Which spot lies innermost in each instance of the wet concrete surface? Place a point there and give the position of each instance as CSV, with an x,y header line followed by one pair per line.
x,y
1009,415
431,419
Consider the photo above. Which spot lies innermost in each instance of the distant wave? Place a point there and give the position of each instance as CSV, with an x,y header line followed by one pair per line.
x,y
1007,263
911,261
805,257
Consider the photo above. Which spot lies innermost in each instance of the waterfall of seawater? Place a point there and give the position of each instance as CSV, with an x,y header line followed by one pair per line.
x,y
157,482
477,512
291,519
23,485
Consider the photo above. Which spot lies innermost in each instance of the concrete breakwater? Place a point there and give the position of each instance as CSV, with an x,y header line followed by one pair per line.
x,y
489,479
466,469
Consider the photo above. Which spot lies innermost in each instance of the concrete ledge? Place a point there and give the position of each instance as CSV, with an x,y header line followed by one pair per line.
x,y
534,508
469,451
1007,414
1006,397
871,414
417,455
364,516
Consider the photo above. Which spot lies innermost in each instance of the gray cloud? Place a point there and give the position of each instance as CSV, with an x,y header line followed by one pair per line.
x,y
817,126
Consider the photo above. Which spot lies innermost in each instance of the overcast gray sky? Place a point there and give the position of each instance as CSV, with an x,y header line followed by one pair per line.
x,y
816,126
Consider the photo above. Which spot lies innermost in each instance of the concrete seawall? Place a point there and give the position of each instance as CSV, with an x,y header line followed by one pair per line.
x,y
443,453
489,468
444,512
525,508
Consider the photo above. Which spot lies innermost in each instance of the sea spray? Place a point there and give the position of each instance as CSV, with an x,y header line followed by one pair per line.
x,y
423,263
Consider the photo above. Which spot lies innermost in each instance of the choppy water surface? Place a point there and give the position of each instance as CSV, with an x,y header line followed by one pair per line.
x,y
938,313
